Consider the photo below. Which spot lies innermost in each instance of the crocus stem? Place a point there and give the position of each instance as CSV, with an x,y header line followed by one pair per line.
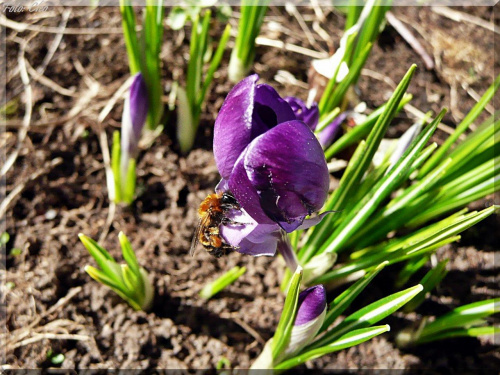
x,y
286,251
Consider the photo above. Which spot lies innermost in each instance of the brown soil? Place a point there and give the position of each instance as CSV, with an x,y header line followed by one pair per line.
x,y
182,331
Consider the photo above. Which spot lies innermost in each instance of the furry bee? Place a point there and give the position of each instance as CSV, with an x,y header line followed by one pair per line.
x,y
212,213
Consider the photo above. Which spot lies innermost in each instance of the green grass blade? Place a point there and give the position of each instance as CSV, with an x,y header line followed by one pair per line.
x,y
344,300
429,282
129,255
360,213
115,166
214,287
129,183
462,127
130,35
283,331
460,332
361,130
410,268
214,64
461,316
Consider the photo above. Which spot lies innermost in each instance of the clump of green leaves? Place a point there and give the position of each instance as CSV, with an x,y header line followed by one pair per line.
x,y
363,26
243,55
374,201
130,281
464,321
192,98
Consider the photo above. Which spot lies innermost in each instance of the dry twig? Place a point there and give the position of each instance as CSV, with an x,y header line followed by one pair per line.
x,y
27,115
457,16
410,39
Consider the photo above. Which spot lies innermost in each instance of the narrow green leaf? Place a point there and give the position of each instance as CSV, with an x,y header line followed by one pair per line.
x,y
130,280
344,300
94,247
118,288
477,192
128,254
101,277
326,120
460,332
462,127
411,267
348,340
130,36
104,260
214,64
214,287
461,317
360,213
129,183
185,123
429,282
361,130
320,232
338,94
283,331
115,166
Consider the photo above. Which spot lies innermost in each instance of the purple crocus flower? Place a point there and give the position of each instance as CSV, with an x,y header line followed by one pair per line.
x,y
310,116
134,115
311,314
272,163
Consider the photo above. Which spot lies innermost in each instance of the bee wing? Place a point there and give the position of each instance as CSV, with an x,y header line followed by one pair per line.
x,y
196,237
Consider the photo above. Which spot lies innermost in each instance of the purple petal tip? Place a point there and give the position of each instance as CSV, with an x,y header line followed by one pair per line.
x,y
312,302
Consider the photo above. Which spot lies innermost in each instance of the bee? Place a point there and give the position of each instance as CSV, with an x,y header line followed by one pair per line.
x,y
212,213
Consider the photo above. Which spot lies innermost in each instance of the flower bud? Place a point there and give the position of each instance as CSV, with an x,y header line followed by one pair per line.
x,y
135,111
310,316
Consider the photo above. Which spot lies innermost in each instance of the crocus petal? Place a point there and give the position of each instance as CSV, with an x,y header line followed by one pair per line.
x,y
310,317
310,116
286,170
270,107
248,236
328,134
308,223
248,111
233,125
138,104
312,302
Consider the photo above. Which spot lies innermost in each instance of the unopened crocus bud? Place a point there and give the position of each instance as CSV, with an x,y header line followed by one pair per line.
x,y
310,316
404,142
135,111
